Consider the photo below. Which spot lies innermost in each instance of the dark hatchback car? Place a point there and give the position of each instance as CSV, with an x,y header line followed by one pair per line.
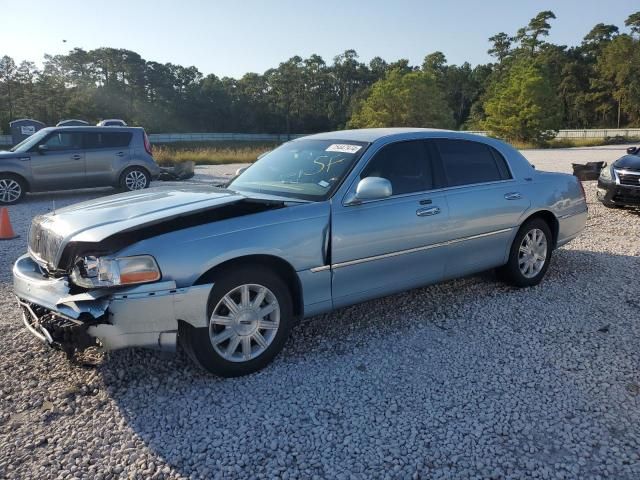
x,y
619,183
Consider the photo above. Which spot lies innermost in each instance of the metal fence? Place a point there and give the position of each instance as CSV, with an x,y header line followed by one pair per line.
x,y
221,137
282,137
599,133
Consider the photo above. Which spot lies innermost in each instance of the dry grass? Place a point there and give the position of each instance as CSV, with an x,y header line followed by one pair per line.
x,y
209,153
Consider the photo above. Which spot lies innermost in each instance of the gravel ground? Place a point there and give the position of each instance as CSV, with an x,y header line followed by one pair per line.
x,y
467,379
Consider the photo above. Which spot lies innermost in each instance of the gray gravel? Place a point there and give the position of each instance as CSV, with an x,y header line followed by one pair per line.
x,y
467,379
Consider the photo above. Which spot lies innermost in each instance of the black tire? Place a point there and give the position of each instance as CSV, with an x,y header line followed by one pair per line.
x,y
140,173
511,272
197,342
8,185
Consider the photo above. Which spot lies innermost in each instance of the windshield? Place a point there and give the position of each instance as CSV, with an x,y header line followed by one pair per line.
x,y
29,142
303,169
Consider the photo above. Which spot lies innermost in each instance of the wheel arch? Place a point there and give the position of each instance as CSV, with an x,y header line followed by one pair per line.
x,y
280,266
550,219
133,165
27,184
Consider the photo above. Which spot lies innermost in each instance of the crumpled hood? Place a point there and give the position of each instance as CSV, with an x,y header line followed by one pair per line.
x,y
94,220
631,162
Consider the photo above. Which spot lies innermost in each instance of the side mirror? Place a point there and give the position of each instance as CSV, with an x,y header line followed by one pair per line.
x,y
42,149
373,188
240,170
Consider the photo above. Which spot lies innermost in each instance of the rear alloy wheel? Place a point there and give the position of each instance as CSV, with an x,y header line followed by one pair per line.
x,y
134,179
530,254
250,316
11,190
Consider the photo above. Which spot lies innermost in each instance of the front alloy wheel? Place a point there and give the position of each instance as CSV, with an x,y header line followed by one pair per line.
x,y
250,314
11,190
244,323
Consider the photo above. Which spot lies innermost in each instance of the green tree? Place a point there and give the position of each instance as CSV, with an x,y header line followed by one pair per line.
x,y
523,106
616,68
403,100
501,48
633,21
530,37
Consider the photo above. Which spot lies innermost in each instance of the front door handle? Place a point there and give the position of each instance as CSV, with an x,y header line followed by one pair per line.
x,y
120,154
513,196
76,156
427,212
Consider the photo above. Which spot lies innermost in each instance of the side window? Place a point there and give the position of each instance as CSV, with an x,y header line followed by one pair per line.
x,y
63,141
116,139
405,164
466,162
91,140
107,139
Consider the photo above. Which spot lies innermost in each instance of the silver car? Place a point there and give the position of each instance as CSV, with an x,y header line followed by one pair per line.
x,y
64,158
319,223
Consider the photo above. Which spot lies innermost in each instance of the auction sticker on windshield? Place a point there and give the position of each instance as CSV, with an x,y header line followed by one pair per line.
x,y
343,148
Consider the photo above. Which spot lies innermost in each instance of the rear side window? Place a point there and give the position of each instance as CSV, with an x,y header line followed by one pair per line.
x,y
466,162
107,139
405,164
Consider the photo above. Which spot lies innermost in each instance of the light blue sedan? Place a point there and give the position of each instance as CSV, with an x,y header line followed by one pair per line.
x,y
321,222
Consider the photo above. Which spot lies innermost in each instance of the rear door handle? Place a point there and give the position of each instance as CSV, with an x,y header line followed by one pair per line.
x,y
427,212
76,156
513,196
120,154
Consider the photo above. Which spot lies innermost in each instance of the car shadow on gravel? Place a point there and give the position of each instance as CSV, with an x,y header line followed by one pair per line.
x,y
384,362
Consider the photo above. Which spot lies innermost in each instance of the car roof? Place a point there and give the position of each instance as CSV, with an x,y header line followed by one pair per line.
x,y
93,128
373,134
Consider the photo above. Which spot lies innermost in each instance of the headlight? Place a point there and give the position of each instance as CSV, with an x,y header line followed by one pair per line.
x,y
95,272
605,173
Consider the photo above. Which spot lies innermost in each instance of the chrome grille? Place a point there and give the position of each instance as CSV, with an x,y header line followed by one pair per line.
x,y
629,177
44,244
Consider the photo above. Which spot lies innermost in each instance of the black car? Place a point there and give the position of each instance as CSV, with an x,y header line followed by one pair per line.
x,y
619,183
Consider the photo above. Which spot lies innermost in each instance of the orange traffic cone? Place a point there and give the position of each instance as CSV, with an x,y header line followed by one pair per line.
x,y
6,230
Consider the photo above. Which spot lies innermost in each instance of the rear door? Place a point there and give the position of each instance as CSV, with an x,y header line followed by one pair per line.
x,y
392,244
60,163
485,205
107,153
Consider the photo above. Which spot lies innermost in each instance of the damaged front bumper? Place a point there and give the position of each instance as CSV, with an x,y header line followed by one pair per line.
x,y
141,316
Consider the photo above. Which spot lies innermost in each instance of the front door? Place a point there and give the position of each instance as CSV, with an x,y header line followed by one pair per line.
x,y
57,163
388,245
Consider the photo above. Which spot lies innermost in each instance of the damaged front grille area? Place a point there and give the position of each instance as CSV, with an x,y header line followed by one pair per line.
x,y
67,334
44,244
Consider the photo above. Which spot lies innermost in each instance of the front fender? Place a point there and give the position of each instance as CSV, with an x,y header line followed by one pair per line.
x,y
20,166
296,234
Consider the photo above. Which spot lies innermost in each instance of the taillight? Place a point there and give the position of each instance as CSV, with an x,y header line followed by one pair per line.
x,y
147,143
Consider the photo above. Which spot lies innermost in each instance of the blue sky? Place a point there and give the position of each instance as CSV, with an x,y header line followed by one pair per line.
x,y
230,38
